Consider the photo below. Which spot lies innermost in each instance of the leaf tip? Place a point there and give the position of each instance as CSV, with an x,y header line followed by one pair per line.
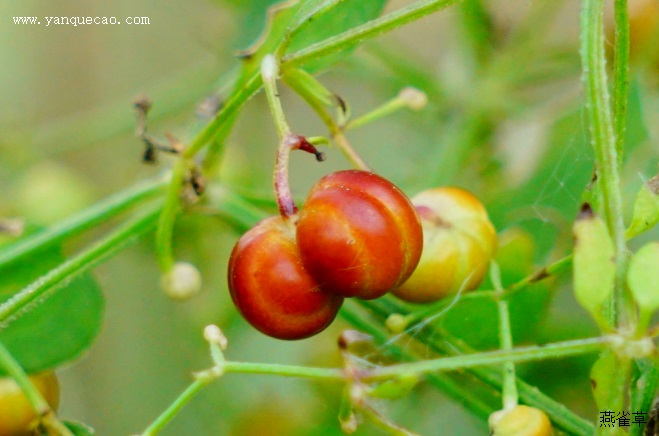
x,y
585,212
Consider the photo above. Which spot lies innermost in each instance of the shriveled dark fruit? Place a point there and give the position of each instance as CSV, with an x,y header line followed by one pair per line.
x,y
271,287
358,234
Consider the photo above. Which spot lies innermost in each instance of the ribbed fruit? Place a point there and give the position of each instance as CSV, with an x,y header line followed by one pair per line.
x,y
271,287
358,234
459,242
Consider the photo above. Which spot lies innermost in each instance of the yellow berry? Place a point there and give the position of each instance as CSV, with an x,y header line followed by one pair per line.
x,y
458,244
520,421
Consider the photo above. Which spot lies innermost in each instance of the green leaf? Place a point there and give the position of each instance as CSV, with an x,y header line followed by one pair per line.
x,y
335,19
56,329
278,18
527,310
603,379
395,388
594,270
645,384
646,208
277,21
311,84
515,259
636,132
79,429
643,280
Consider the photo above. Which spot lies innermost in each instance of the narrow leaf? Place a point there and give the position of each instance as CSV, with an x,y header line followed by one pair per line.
x,y
645,384
603,379
395,388
643,279
646,208
57,328
79,429
594,270
336,17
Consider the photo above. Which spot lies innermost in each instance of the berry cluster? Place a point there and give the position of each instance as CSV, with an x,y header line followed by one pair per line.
x,y
357,235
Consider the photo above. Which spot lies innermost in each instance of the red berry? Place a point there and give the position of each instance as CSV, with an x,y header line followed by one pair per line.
x,y
271,287
358,234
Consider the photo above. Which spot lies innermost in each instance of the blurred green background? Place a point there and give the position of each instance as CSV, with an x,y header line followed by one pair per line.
x,y
504,120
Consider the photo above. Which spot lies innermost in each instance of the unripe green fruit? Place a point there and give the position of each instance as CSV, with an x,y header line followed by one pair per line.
x,y
17,417
458,244
520,421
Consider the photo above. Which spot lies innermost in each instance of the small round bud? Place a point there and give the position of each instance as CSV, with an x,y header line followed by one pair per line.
x,y
214,335
414,98
520,421
182,282
269,67
396,323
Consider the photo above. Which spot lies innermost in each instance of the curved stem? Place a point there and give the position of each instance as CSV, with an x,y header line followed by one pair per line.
x,y
295,82
621,78
167,217
269,73
287,140
287,207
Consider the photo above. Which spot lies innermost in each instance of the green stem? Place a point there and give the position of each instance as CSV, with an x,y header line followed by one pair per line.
x,y
478,29
284,370
304,22
34,397
318,106
556,350
269,74
522,354
382,111
213,157
621,78
537,276
79,264
175,407
443,342
509,391
165,230
99,213
368,30
233,104
15,371
206,377
604,140
447,383
287,140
